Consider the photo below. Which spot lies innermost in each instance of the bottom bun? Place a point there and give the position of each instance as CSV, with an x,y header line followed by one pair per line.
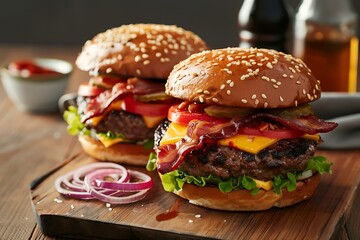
x,y
242,200
125,153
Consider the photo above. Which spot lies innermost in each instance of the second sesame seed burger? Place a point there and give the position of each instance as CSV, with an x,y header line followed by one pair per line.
x,y
124,100
244,137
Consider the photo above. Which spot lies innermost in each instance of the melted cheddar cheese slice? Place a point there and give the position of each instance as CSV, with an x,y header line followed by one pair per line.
x,y
251,144
107,141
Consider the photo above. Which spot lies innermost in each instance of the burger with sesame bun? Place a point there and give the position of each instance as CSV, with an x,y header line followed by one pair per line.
x,y
120,106
244,136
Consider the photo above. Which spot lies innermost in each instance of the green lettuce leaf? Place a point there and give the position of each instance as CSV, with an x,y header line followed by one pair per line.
x,y
319,164
151,164
75,126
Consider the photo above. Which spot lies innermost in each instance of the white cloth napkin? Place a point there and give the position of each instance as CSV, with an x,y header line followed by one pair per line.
x,y
344,109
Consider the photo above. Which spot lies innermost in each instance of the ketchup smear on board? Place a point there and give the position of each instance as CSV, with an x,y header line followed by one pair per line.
x,y
27,68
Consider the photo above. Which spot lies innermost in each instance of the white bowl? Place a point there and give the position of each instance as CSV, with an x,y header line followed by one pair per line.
x,y
37,93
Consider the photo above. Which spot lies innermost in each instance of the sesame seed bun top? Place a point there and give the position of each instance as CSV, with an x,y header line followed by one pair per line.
x,y
141,50
255,78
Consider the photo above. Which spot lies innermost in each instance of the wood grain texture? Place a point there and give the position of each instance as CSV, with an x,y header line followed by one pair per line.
x,y
321,217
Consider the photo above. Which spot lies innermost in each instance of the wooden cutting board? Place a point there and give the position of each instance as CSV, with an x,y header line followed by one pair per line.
x,y
332,212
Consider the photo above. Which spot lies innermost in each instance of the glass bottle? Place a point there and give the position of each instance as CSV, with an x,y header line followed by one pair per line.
x,y
264,24
325,38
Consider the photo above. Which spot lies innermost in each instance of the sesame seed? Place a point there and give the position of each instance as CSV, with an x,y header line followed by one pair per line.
x,y
291,76
201,99
222,86
227,71
281,99
296,103
278,83
298,82
304,92
273,80
265,104
231,84
243,100
138,72
146,62
145,55
137,58
199,91
158,54
257,101
284,75
291,69
253,96
265,78
215,100
108,70
206,92
263,96
243,77
229,81
228,92
275,86
269,65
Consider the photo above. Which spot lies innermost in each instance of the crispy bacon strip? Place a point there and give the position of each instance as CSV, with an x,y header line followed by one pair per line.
x,y
137,86
198,132
100,103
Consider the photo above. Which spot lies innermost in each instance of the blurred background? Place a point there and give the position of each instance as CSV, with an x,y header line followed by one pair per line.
x,y
72,22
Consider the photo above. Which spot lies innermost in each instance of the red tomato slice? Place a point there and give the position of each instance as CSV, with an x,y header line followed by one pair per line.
x,y
87,90
277,133
184,117
147,109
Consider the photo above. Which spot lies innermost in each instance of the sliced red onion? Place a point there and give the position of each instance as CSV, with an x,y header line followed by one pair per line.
x,y
71,193
95,176
90,182
81,172
127,186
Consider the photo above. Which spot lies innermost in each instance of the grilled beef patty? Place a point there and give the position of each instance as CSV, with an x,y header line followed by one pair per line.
x,y
287,155
132,126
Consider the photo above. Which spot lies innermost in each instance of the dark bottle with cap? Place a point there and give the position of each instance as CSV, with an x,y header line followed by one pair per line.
x,y
264,24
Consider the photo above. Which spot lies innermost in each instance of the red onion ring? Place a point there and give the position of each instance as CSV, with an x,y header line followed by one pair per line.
x,y
93,177
71,192
81,172
90,182
146,183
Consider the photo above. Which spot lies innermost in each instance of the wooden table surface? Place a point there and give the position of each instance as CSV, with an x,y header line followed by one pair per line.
x,y
33,144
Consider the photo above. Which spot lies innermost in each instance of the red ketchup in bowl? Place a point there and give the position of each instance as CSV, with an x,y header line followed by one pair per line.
x,y
28,68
